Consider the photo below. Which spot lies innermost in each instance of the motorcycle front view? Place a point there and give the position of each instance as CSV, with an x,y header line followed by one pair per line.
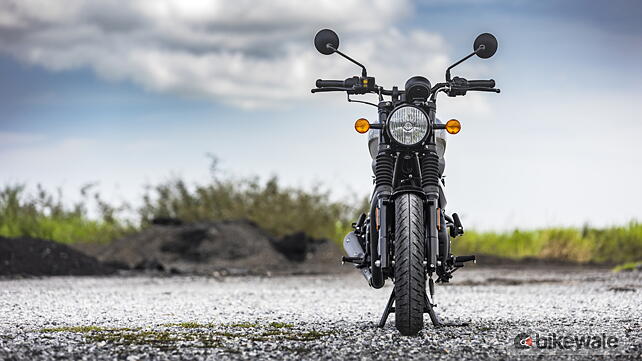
x,y
406,235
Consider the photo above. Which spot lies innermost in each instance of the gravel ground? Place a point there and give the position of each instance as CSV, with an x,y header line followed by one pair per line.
x,y
325,317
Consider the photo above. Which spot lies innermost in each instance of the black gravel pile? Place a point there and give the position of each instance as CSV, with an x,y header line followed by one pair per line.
x,y
39,257
223,247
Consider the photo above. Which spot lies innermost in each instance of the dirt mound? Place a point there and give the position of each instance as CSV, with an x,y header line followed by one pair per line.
x,y
38,257
229,247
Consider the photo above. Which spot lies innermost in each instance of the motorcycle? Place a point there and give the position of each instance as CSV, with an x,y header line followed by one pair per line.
x,y
406,237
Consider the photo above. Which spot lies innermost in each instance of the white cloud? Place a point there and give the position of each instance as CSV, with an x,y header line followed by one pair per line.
x,y
241,52
17,138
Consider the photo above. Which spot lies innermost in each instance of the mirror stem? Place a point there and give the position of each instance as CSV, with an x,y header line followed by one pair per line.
x,y
481,47
364,73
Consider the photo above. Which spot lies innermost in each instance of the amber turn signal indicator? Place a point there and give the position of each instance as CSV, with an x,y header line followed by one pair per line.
x,y
453,126
362,125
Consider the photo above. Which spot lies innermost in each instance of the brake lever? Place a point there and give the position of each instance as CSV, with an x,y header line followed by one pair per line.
x,y
492,90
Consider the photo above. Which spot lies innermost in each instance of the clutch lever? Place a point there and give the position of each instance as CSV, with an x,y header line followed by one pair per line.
x,y
324,90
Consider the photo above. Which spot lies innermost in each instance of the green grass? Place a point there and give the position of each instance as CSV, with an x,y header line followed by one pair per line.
x,y
73,329
43,215
612,245
192,334
282,210
629,266
187,325
278,210
281,325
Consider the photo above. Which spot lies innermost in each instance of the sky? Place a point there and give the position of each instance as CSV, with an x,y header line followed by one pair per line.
x,y
128,94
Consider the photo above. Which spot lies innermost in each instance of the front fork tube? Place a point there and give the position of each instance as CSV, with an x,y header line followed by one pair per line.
x,y
383,231
379,238
432,233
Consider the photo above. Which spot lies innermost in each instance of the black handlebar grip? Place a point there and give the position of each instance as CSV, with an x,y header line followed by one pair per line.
x,y
330,83
481,83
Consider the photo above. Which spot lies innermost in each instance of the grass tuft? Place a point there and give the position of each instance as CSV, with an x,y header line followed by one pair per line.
x,y
244,325
196,335
188,325
281,325
74,329
629,266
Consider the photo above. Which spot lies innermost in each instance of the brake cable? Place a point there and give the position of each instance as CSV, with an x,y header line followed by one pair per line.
x,y
360,101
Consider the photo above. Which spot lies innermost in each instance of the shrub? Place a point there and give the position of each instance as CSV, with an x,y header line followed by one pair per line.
x,y
45,216
612,245
279,210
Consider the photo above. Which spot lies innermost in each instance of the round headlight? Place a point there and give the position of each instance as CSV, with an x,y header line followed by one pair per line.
x,y
408,125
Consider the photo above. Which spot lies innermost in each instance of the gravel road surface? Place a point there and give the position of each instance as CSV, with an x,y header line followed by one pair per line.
x,y
324,317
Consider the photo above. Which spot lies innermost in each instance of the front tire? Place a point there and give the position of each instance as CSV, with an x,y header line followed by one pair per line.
x,y
410,281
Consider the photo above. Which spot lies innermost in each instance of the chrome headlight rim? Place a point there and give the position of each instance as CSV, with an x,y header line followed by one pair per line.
x,y
389,127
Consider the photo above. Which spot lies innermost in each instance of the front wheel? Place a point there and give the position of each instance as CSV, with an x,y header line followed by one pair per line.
x,y
410,281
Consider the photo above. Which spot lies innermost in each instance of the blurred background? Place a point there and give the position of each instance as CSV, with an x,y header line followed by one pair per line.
x,y
115,114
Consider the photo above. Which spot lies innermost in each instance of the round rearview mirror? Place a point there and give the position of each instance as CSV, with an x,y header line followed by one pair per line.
x,y
489,43
324,38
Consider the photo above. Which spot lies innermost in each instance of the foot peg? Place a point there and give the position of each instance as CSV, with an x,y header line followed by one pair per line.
x,y
356,260
462,259
459,261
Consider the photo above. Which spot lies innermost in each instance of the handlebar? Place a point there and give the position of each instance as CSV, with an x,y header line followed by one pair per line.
x,y
481,83
330,83
356,85
347,83
460,86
